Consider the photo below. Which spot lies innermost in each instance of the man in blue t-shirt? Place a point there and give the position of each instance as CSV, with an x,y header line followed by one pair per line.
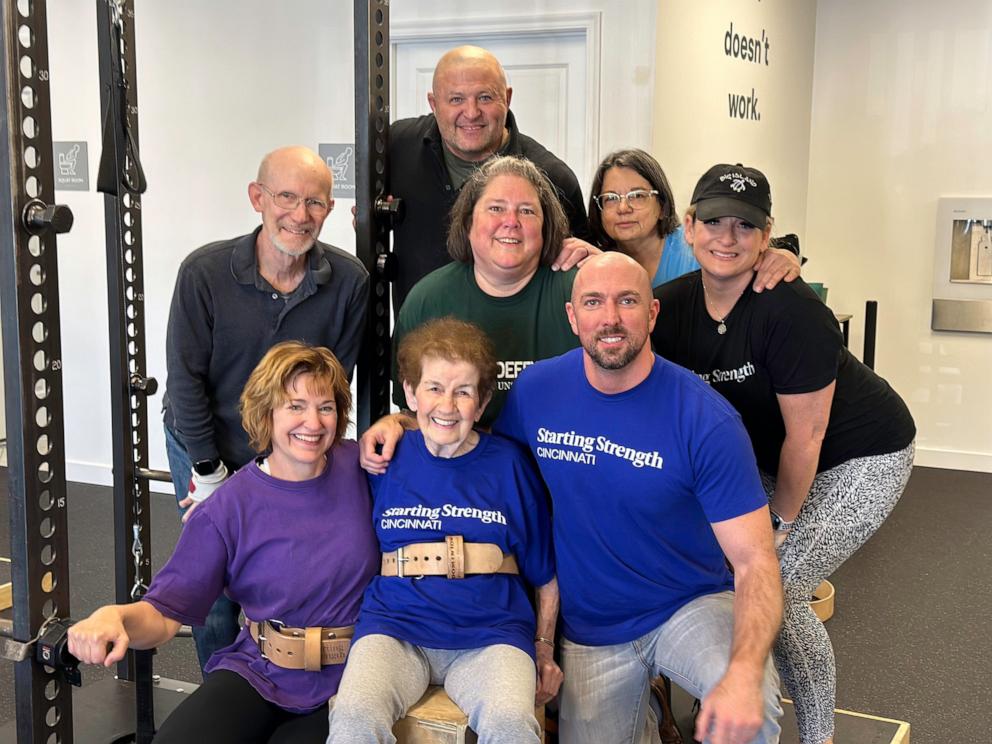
x,y
653,481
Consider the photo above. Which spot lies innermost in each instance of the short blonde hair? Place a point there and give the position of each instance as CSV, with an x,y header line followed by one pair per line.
x,y
278,370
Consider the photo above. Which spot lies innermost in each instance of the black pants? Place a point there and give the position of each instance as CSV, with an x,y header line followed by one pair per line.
x,y
227,710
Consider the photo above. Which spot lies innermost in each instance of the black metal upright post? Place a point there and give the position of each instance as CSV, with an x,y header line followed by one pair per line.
x,y
122,181
29,292
374,215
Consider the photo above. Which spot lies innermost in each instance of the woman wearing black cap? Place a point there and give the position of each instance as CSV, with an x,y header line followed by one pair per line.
x,y
833,441
632,210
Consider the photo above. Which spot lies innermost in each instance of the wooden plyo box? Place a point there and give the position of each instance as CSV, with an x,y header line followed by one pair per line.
x,y
849,727
436,720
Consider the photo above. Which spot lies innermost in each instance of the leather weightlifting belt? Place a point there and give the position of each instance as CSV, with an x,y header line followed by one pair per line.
x,y
453,558
301,648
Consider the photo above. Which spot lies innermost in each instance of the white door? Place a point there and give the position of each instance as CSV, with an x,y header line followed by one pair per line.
x,y
549,79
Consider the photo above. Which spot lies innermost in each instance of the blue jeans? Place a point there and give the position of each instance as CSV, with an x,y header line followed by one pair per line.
x,y
222,623
604,698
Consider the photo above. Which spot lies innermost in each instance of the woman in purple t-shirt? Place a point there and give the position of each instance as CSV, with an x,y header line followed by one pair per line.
x,y
289,537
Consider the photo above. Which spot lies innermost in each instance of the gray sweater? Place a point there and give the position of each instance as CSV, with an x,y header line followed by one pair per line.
x,y
225,316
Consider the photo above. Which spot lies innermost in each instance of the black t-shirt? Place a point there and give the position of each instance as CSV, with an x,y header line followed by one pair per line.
x,y
781,341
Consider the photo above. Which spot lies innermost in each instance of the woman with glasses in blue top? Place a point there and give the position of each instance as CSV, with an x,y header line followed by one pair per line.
x,y
632,209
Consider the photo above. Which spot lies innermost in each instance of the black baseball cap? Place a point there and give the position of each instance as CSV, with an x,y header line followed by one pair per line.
x,y
733,191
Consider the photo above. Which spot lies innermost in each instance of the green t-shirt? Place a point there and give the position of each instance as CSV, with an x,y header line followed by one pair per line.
x,y
525,328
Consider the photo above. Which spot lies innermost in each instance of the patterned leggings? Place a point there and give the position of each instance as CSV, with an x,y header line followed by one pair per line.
x,y
845,506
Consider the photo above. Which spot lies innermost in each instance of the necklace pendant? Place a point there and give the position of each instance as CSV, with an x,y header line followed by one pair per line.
x,y
722,328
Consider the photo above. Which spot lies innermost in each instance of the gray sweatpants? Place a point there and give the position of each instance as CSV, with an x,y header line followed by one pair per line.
x,y
493,685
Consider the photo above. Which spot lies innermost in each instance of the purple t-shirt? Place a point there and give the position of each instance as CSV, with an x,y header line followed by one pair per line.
x,y
298,552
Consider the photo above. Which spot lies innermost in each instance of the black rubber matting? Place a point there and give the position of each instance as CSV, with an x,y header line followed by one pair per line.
x,y
104,711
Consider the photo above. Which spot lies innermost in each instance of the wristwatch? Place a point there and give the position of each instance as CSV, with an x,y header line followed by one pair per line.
x,y
206,467
779,524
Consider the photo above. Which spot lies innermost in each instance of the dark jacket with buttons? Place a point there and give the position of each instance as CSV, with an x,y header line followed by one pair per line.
x,y
225,316
417,174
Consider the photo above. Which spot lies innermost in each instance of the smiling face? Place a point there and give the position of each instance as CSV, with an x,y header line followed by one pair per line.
x,y
622,222
470,99
612,311
725,247
447,404
506,228
303,429
292,170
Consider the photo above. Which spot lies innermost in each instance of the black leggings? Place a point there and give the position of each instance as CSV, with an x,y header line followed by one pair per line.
x,y
227,710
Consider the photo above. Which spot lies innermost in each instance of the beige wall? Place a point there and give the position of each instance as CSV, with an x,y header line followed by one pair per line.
x,y
694,77
902,115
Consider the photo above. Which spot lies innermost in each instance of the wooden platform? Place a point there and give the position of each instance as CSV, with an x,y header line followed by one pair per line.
x,y
5,591
437,720
849,727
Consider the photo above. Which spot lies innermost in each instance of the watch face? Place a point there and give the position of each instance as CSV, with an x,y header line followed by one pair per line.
x,y
205,467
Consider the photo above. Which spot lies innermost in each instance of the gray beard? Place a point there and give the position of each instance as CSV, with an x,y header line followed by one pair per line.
x,y
292,253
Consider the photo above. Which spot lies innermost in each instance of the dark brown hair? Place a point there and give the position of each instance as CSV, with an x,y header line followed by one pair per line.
x,y
648,169
554,227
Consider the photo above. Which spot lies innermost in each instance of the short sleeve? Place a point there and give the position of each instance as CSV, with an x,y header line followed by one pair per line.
x,y
194,576
726,477
803,346
533,546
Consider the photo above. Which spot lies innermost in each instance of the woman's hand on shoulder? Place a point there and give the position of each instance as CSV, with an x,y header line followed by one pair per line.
x,y
100,638
774,266
574,251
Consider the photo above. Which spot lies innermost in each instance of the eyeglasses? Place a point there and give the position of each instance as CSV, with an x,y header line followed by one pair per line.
x,y
636,199
289,200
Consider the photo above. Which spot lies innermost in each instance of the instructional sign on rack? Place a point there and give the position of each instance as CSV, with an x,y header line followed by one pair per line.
x,y
340,158
72,166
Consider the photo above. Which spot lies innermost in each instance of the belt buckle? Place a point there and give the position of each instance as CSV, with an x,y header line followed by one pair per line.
x,y
276,625
400,560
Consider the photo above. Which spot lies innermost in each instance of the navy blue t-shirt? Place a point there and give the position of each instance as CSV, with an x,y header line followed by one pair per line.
x,y
491,494
636,480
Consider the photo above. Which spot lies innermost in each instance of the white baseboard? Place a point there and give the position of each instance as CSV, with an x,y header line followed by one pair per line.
x,y
976,462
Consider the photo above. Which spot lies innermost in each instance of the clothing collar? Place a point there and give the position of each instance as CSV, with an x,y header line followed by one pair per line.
x,y
244,264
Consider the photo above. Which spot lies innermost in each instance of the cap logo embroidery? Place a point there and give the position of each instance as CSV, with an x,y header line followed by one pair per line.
x,y
739,182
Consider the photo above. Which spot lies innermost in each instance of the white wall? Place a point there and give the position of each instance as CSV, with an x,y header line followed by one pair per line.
x,y
902,108
694,78
219,85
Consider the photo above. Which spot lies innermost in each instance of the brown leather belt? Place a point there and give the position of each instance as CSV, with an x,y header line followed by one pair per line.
x,y
301,648
452,558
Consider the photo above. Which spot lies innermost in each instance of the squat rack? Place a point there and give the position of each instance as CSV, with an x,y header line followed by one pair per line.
x,y
35,639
